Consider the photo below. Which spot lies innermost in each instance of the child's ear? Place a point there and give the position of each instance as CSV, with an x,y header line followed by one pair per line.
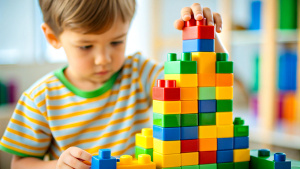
x,y
50,36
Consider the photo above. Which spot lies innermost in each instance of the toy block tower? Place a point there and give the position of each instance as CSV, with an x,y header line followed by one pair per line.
x,y
144,143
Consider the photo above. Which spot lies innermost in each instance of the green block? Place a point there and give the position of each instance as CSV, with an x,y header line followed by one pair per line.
x,y
265,161
208,166
241,131
189,120
183,66
224,67
169,168
241,165
207,119
224,105
166,120
141,150
225,166
190,167
222,56
206,93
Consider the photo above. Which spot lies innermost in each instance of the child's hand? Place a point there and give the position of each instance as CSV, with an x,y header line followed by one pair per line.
x,y
74,157
199,13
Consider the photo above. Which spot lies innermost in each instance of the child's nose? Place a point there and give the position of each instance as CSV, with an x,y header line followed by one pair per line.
x,y
102,59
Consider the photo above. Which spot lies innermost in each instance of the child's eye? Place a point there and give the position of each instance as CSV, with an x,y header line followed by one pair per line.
x,y
85,47
116,43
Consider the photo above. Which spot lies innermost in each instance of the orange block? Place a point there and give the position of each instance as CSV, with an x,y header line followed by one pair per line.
x,y
188,93
207,144
289,107
206,80
224,79
189,106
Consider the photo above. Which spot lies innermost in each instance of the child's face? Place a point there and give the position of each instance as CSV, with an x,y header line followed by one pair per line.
x,y
95,57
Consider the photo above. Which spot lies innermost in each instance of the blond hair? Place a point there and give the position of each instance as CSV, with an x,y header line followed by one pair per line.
x,y
85,16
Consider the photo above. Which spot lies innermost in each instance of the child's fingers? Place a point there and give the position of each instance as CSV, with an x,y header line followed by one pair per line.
x,y
186,13
197,11
218,21
75,163
178,24
208,15
80,154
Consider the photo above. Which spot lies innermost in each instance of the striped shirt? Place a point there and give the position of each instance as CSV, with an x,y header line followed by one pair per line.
x,y
53,115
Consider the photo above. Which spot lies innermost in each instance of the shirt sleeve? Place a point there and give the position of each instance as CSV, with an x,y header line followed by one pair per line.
x,y
27,133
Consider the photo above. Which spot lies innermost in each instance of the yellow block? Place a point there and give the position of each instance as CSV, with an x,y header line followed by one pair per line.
x,y
224,93
189,158
183,80
166,147
225,131
169,160
207,131
167,107
189,107
143,161
206,61
224,118
144,139
241,155
188,93
208,144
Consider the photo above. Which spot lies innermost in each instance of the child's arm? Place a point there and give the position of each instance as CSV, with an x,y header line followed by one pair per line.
x,y
200,13
73,157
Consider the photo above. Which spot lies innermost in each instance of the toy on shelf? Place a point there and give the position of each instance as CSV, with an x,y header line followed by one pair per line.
x,y
263,159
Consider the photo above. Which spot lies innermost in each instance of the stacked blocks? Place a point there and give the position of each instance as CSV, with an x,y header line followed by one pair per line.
x,y
264,159
144,143
143,161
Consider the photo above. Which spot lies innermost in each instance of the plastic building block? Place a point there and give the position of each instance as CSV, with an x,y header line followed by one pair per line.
x,y
206,93
225,131
224,93
166,90
166,147
208,166
207,119
189,145
169,160
241,165
104,160
183,80
241,142
198,45
240,130
189,120
224,105
166,120
224,67
225,165
225,143
207,106
189,106
190,167
189,158
193,22
198,32
144,139
183,66
166,134
240,155
189,93
264,159
224,118
206,61
280,161
207,131
169,168
224,79
143,161
225,156
207,157
189,133
141,150
206,79
222,56
167,107
208,144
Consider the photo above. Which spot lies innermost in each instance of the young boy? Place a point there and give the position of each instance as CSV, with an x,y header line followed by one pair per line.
x,y
100,100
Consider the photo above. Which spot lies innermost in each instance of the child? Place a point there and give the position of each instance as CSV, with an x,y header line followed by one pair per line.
x,y
100,99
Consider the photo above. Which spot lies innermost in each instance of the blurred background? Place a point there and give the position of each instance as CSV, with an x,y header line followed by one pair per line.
x,y
260,35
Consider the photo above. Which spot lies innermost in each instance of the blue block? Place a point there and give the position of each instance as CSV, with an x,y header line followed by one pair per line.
x,y
225,143
241,142
283,165
207,106
104,160
224,156
198,45
166,134
189,133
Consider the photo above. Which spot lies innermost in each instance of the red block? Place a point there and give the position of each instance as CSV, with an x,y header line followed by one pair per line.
x,y
193,22
166,90
207,157
189,145
198,32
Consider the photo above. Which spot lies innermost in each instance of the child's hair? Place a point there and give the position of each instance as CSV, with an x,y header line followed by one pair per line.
x,y
85,16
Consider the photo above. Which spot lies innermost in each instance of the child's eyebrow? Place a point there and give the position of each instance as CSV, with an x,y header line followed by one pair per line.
x,y
120,36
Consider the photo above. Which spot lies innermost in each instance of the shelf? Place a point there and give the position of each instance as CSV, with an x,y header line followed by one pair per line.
x,y
252,37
